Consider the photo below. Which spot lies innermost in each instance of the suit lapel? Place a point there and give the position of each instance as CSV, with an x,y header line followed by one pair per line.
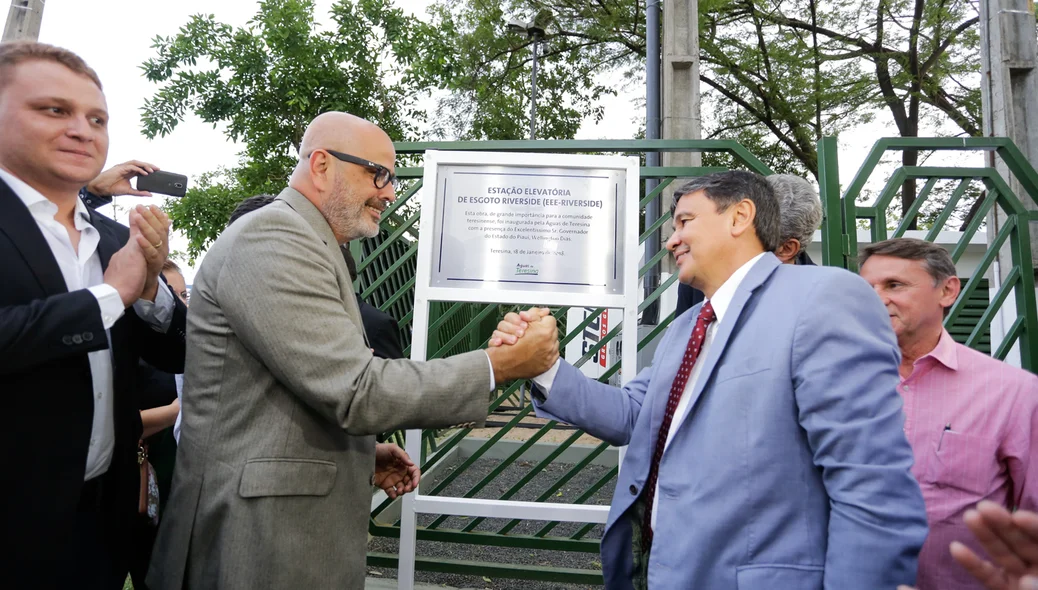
x,y
301,205
25,234
759,273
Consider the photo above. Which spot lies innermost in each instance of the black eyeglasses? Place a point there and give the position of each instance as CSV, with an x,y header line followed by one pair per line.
x,y
382,174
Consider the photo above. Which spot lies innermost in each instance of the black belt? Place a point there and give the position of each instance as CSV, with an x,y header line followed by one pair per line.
x,y
91,495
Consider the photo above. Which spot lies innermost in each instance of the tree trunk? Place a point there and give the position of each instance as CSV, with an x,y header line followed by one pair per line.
x,y
908,188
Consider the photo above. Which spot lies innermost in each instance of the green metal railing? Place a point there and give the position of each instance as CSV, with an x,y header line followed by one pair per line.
x,y
387,264
1013,235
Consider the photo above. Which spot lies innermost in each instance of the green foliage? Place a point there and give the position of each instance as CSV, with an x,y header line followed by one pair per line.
x,y
776,75
266,81
203,212
467,50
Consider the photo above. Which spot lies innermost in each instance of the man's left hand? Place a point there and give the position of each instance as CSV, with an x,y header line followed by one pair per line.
x,y
149,225
395,473
116,180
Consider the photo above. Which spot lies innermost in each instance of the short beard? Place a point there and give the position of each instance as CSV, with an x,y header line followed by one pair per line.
x,y
344,216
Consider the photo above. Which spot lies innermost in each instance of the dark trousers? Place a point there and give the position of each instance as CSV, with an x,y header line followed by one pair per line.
x,y
98,544
140,553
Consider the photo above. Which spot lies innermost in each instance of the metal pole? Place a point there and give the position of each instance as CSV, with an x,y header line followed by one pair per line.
x,y
652,131
23,20
533,91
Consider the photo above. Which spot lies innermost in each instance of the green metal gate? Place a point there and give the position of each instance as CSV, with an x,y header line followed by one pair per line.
x,y
1012,236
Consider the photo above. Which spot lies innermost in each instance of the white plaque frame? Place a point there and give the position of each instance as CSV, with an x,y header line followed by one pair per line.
x,y
425,293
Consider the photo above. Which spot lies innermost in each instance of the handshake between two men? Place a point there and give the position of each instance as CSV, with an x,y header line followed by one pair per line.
x,y
524,345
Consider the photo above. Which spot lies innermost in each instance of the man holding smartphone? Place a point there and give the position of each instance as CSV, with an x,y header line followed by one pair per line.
x,y
115,182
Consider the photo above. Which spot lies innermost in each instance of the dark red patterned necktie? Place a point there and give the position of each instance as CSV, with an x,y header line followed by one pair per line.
x,y
695,344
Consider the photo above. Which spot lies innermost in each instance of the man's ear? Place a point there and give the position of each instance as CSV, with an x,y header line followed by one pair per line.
x,y
741,216
788,250
950,291
319,169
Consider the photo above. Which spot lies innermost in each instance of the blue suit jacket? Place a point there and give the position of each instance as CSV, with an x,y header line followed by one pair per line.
x,y
791,469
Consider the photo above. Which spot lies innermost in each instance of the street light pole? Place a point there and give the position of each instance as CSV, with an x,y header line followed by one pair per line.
x,y
533,91
536,33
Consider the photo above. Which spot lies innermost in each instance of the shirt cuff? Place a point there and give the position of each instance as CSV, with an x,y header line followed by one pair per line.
x,y
545,379
493,385
110,303
158,315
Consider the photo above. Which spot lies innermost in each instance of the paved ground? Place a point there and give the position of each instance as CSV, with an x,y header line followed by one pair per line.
x,y
568,493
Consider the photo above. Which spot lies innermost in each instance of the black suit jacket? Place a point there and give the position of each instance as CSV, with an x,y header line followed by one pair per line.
x,y
46,393
382,330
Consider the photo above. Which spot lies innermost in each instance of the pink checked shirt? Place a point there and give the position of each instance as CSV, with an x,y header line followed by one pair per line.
x,y
972,422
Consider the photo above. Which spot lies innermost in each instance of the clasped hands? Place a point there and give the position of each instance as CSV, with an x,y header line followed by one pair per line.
x,y
524,345
1011,541
134,270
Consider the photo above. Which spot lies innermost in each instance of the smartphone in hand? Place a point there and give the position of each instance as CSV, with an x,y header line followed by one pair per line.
x,y
162,182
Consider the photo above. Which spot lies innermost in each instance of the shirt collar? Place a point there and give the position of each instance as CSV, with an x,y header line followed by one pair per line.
x,y
945,352
34,200
723,296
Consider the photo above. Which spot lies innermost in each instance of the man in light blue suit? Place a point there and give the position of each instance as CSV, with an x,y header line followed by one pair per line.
x,y
765,443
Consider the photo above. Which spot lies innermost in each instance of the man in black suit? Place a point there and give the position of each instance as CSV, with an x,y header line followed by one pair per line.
x,y
81,301
800,211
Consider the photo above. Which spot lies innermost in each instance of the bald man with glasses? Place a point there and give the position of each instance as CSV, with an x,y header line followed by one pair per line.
x,y
283,397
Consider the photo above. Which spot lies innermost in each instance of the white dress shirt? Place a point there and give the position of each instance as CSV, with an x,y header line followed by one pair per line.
x,y
82,270
720,301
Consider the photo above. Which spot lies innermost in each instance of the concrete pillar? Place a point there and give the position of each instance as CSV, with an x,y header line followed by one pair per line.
x,y
1009,86
23,20
1009,90
681,117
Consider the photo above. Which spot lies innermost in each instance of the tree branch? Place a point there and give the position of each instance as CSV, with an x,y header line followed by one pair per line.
x,y
943,47
808,159
941,100
886,85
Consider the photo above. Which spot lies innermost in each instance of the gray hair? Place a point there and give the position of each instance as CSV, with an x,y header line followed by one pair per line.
x,y
728,188
936,260
801,209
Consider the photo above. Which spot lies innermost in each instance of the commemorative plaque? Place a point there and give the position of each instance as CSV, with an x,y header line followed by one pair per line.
x,y
529,228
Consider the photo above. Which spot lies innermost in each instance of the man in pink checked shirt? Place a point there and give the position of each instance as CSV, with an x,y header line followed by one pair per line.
x,y
971,419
